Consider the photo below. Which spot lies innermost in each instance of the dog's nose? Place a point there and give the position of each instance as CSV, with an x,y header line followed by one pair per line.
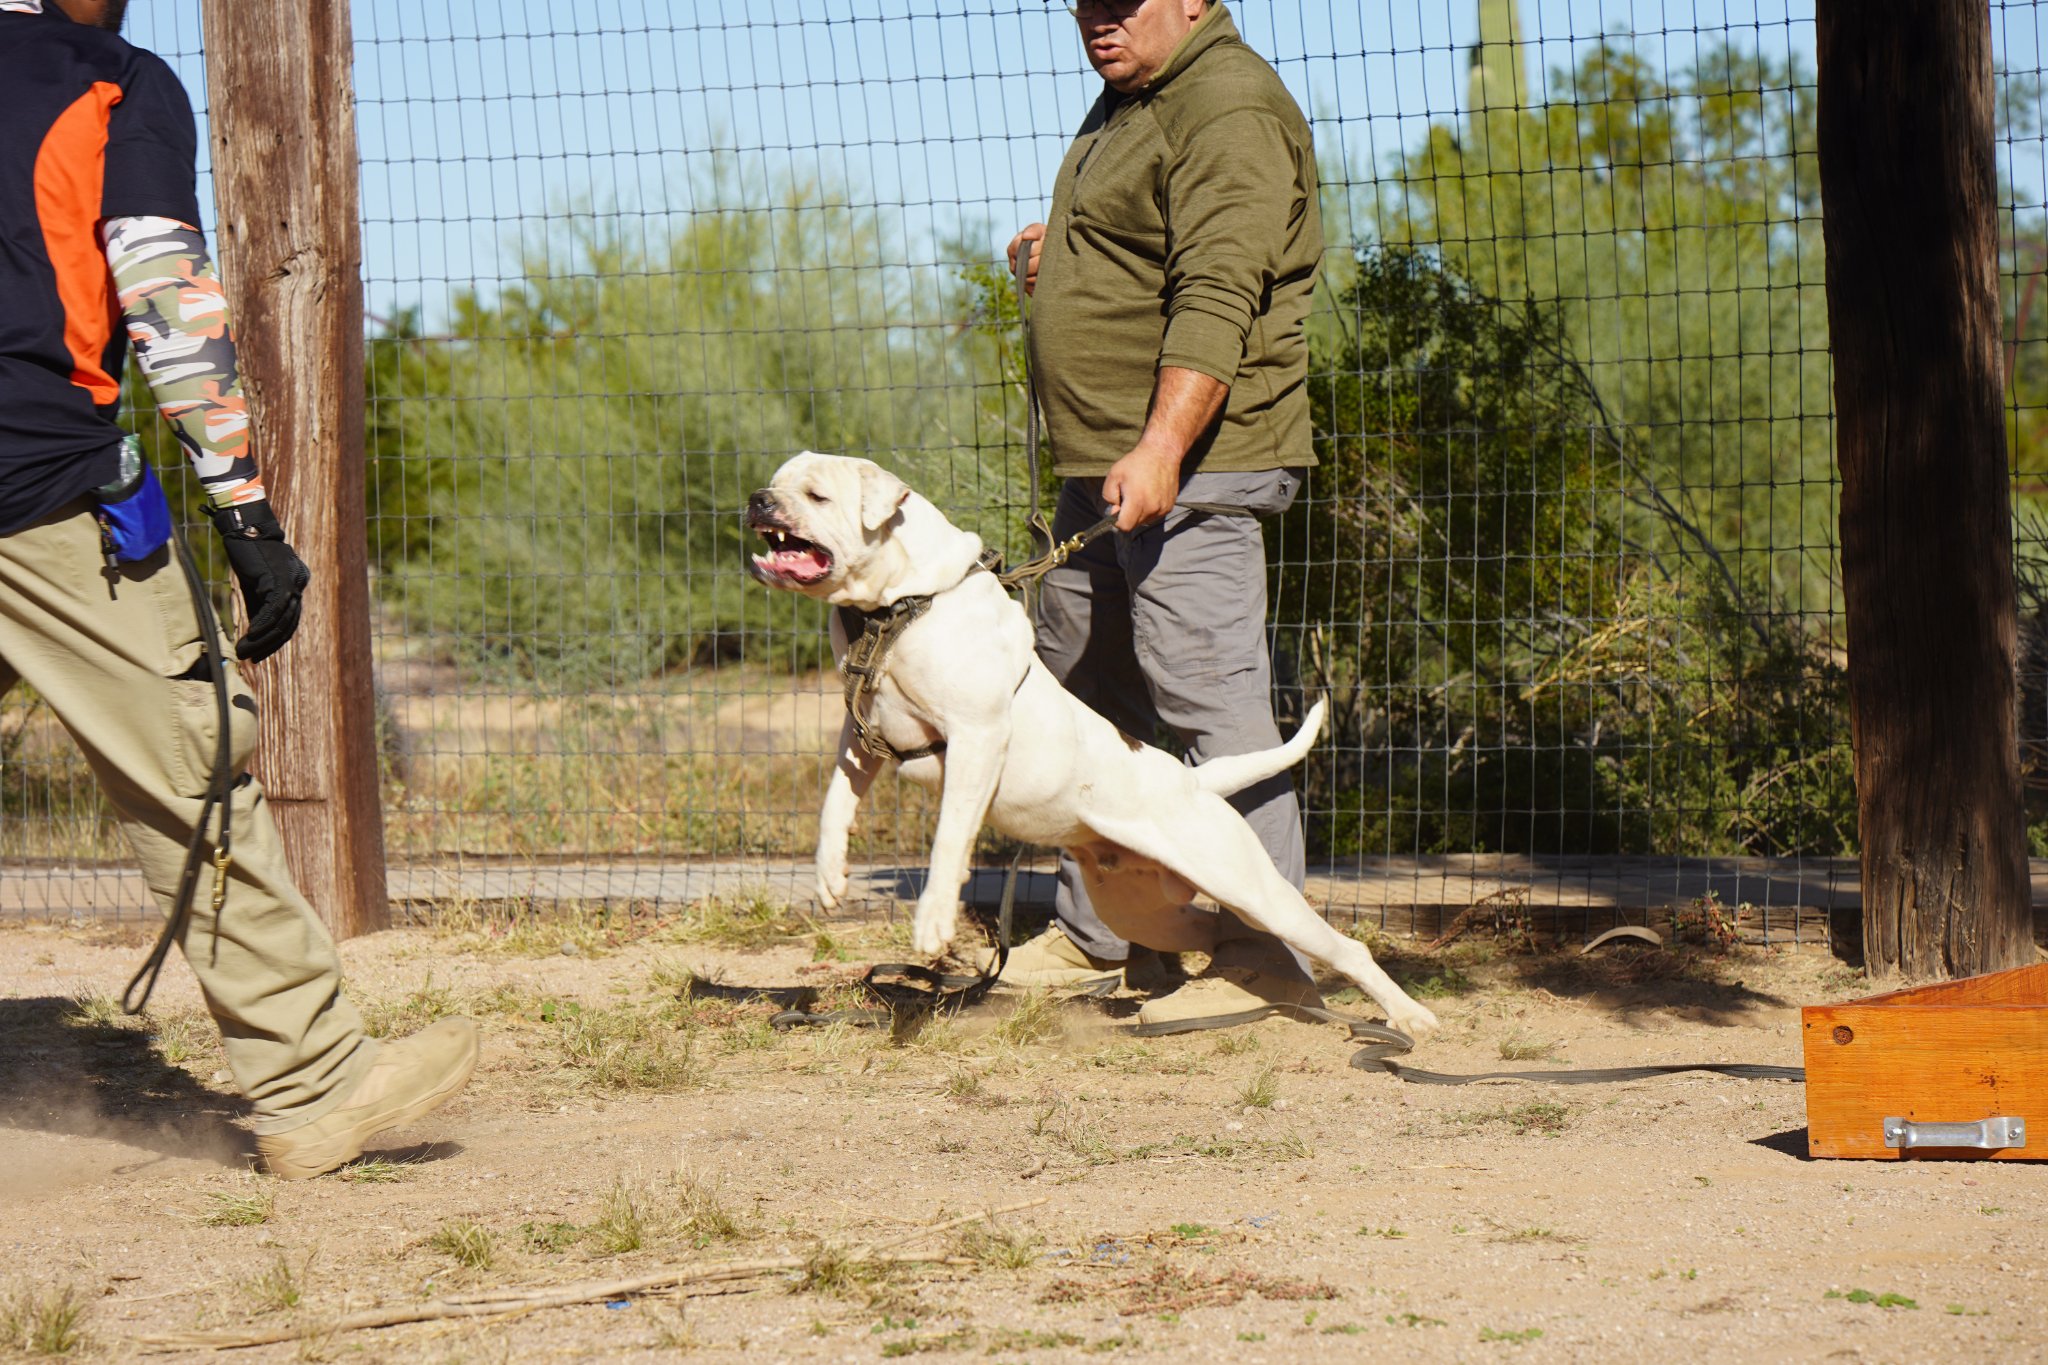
x,y
762,503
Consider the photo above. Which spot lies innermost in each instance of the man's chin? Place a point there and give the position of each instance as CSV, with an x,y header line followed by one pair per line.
x,y
1115,69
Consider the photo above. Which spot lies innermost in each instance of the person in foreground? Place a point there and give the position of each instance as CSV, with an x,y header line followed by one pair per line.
x,y
1171,285
103,248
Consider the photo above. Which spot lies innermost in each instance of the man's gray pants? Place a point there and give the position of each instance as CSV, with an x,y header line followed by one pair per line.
x,y
1168,624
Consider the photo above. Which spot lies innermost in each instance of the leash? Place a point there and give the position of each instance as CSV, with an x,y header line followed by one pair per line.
x,y
1037,526
217,797
1384,1044
908,991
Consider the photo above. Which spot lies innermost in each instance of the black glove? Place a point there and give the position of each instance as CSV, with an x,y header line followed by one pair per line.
x,y
271,575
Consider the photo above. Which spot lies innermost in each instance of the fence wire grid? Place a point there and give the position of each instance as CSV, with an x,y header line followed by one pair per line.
x,y
1565,566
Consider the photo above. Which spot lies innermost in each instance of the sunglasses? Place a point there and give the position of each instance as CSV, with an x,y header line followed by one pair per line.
x,y
1118,9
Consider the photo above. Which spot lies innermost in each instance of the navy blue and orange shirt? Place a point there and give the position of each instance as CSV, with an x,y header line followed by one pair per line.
x,y
94,129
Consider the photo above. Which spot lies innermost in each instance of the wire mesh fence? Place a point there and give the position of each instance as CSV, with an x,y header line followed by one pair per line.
x,y
1565,563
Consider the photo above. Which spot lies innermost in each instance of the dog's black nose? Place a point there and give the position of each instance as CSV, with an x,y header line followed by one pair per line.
x,y
762,503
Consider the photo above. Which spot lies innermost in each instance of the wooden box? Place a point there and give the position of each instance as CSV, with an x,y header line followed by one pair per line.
x,y
1968,1052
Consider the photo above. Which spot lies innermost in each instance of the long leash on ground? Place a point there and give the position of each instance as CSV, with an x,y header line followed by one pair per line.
x,y
1384,1044
136,998
907,991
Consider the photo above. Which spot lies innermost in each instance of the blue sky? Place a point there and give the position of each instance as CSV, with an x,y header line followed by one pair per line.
x,y
485,126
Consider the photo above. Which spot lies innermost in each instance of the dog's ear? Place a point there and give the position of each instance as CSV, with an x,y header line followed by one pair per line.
x,y
881,493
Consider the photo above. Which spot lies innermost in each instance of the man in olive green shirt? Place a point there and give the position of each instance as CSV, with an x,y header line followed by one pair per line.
x,y
1171,286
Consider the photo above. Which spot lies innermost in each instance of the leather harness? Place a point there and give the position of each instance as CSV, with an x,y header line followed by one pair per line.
x,y
870,635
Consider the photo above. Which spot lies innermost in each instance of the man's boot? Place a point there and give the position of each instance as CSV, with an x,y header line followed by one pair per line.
x,y
1052,961
1247,979
408,1079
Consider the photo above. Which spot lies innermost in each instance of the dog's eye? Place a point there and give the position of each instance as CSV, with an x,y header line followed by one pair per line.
x,y
817,497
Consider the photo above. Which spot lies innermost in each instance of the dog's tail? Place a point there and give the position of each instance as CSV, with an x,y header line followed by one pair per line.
x,y
1234,773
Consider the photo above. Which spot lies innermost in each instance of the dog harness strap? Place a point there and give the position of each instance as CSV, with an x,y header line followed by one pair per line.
x,y
865,655
870,636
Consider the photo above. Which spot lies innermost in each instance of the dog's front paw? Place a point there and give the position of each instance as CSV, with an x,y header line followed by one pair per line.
x,y
931,930
830,887
1414,1020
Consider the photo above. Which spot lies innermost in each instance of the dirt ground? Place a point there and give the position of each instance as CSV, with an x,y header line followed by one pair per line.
x,y
1242,1194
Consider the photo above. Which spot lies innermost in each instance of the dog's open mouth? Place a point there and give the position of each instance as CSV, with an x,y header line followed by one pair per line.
x,y
791,558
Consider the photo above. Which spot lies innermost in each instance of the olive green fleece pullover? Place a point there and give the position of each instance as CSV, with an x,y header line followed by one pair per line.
x,y
1184,232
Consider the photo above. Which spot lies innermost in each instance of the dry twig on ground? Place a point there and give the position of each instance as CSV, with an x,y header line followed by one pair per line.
x,y
493,1303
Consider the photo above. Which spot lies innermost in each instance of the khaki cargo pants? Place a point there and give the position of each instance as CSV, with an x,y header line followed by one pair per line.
x,y
119,664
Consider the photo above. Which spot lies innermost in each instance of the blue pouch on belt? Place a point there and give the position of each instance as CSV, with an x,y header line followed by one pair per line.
x,y
135,516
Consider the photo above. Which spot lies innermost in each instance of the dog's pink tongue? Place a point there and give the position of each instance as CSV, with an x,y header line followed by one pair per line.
x,y
804,563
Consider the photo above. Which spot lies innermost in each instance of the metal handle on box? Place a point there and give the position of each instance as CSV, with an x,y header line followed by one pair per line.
x,y
1990,1135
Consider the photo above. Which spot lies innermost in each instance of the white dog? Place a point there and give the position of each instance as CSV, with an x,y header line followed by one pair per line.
x,y
1016,748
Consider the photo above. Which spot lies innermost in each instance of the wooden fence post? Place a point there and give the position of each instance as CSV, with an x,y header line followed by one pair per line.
x,y
282,101
1908,187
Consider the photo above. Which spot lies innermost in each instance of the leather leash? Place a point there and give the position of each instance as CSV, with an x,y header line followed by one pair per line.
x,y
1383,1044
219,797
908,991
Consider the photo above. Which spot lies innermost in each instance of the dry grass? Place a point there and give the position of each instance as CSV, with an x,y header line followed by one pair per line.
x,y
411,1012
967,1087
1034,1018
752,921
466,1243
183,1036
1177,1289
1076,1133
43,1322
1537,1116
702,1212
1520,1047
627,1048
636,1214
239,1208
1260,1089
371,1170
277,1288
97,1010
998,1248
836,1272
569,928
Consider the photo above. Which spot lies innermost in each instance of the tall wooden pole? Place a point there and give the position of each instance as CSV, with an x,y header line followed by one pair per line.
x,y
282,97
1908,187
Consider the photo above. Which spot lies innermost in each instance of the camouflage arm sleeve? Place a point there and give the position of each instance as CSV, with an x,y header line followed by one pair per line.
x,y
177,317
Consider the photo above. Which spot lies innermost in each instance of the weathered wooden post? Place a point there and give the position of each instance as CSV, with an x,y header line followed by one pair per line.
x,y
1908,187
282,98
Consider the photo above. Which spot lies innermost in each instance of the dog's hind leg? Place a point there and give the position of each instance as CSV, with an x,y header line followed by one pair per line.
x,y
1211,846
1143,903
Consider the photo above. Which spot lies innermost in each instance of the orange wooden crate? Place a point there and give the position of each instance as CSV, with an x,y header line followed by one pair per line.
x,y
1960,1052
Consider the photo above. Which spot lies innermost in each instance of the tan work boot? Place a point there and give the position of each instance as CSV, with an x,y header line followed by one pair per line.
x,y
1247,980
408,1079
1052,961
